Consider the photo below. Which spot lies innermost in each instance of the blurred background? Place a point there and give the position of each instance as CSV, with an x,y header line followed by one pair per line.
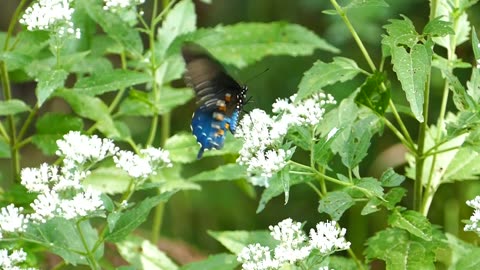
x,y
226,205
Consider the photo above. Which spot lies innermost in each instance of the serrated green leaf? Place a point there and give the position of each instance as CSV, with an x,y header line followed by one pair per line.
x,y
412,70
412,221
13,106
230,171
400,32
222,261
370,184
92,108
245,43
48,82
373,95
453,12
390,178
62,237
116,79
301,136
129,220
461,99
464,166
357,142
335,204
142,254
109,180
235,241
322,150
114,26
322,74
400,251
438,28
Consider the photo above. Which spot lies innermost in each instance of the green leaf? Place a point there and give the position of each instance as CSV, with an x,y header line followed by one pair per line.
x,y
181,19
322,74
438,28
246,43
15,60
338,262
393,197
92,108
322,150
461,99
116,79
235,241
13,106
412,221
129,220
51,127
356,145
469,261
171,179
114,26
390,178
464,166
109,180
366,4
230,171
370,184
373,95
220,261
459,19
276,187
142,254
372,206
48,82
400,251
335,204
400,32
412,70
62,237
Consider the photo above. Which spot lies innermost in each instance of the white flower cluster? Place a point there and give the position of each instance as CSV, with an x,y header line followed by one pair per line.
x,y
78,149
51,15
263,134
475,218
294,245
143,165
116,5
9,261
12,220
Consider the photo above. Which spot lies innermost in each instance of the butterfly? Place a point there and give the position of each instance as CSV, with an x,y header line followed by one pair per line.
x,y
219,97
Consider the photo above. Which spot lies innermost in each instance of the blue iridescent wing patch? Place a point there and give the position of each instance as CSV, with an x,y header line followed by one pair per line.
x,y
219,98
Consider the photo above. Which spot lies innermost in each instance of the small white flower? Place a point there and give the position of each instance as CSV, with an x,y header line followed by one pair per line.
x,y
257,257
293,246
475,218
45,207
328,238
78,149
39,179
82,204
143,165
12,220
51,15
9,261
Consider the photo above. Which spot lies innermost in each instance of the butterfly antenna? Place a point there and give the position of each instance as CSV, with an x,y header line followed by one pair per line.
x,y
257,75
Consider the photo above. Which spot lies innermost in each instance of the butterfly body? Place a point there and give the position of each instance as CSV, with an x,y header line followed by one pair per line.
x,y
219,97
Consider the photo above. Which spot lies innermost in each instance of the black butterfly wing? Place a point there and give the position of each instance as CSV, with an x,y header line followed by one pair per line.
x,y
209,80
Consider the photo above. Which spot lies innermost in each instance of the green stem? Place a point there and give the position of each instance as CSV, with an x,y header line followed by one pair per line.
x,y
403,128
399,135
420,158
319,193
355,259
7,93
90,258
27,122
357,39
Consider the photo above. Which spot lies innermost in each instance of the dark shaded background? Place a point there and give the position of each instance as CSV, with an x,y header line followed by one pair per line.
x,y
224,206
